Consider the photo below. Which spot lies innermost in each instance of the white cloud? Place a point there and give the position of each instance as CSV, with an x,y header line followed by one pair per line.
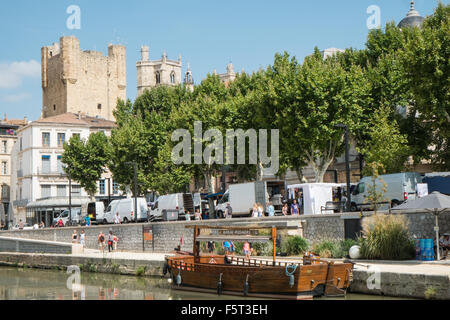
x,y
12,74
14,98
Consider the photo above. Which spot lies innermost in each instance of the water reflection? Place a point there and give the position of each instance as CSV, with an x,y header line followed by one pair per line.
x,y
33,284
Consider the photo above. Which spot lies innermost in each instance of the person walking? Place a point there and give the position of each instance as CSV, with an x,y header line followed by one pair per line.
x,y
228,211
116,240
285,209
117,218
211,246
198,215
271,209
110,241
21,225
247,250
255,211
87,219
42,225
260,210
82,238
101,241
295,208
74,236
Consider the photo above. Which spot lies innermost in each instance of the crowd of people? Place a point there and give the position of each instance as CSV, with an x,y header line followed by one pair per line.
x,y
111,241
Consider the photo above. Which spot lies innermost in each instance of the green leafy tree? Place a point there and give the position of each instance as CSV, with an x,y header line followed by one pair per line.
x,y
85,161
385,144
426,60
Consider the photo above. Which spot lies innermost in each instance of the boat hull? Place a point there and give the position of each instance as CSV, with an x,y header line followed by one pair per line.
x,y
263,280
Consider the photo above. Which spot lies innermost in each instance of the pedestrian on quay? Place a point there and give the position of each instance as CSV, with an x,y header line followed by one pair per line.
x,y
260,210
255,211
285,209
117,218
271,209
110,241
211,246
247,250
21,225
188,216
115,240
42,225
295,208
82,238
226,245
228,211
75,236
87,219
198,215
60,223
101,241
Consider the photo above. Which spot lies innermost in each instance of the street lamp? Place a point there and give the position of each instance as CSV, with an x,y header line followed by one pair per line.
x,y
347,164
70,192
134,164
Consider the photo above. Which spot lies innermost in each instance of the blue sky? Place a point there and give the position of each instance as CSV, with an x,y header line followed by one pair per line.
x,y
207,33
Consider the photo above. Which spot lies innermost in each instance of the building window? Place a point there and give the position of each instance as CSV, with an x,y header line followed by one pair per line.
x,y
46,139
5,192
76,190
54,107
158,77
99,106
4,168
45,164
61,191
46,191
4,146
102,189
61,139
115,188
59,165
172,78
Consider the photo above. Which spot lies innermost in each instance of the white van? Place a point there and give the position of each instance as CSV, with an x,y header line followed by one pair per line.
x,y
172,207
95,210
399,188
125,208
64,216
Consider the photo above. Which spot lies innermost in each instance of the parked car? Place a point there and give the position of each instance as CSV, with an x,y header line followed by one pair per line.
x,y
125,208
172,207
399,188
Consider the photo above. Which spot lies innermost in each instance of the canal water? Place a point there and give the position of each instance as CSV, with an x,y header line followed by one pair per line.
x,y
35,284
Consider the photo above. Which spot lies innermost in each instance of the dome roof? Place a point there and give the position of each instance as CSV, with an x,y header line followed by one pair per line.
x,y
412,19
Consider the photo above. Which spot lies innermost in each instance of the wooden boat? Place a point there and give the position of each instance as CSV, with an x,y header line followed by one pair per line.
x,y
225,274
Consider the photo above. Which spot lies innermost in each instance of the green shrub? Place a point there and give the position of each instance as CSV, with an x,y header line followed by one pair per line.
x,y
325,248
239,247
343,247
294,245
263,248
386,237
140,271
430,293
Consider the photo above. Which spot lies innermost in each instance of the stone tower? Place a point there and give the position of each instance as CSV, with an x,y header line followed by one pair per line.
x,y
189,79
82,81
229,76
157,72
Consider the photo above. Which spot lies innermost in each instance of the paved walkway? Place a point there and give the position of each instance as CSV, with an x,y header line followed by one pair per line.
x,y
90,253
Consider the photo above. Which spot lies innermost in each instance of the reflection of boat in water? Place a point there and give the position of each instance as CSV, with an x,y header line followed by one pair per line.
x,y
225,274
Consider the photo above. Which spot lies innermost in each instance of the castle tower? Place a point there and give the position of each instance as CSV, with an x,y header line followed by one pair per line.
x,y
151,73
189,79
229,76
82,81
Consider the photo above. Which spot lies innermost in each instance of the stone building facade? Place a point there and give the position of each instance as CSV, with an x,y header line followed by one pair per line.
x,y
82,81
151,73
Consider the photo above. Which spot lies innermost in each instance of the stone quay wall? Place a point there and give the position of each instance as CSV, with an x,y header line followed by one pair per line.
x,y
33,246
165,236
